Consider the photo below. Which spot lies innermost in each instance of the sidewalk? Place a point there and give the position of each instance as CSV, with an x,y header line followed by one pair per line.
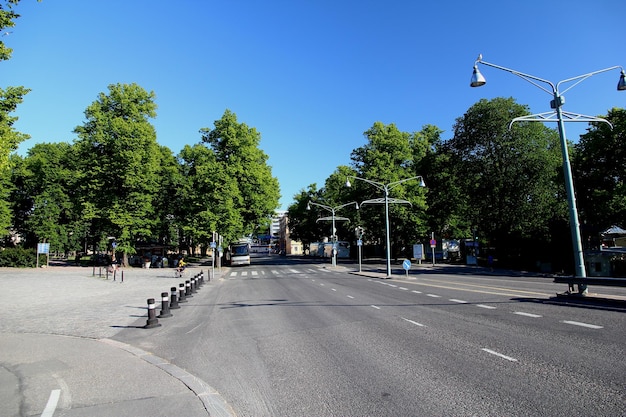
x,y
56,355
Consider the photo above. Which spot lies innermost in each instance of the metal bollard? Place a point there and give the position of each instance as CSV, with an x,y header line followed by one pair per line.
x,y
152,320
174,299
201,278
188,289
165,305
181,293
194,285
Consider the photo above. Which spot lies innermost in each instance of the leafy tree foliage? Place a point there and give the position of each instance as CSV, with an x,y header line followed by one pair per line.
x,y
44,197
10,97
599,165
246,176
118,164
510,178
390,156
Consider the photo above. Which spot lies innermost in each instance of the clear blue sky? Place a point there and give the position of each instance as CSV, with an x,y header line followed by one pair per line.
x,y
310,76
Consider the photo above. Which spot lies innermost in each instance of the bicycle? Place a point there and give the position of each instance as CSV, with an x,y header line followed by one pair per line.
x,y
180,274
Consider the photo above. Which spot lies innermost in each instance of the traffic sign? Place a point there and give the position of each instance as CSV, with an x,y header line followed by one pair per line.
x,y
406,264
433,243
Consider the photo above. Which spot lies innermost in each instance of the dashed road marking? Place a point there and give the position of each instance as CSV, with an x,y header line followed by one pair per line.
x,y
521,313
413,322
500,355
587,325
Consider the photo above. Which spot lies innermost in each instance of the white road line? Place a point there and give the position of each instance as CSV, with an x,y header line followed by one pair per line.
x,y
376,307
416,292
333,289
349,296
321,284
413,322
392,285
403,289
293,271
244,273
433,295
233,274
587,325
454,300
274,271
485,306
51,406
255,273
493,352
521,313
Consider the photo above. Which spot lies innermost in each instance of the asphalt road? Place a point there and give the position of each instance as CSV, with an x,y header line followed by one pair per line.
x,y
298,339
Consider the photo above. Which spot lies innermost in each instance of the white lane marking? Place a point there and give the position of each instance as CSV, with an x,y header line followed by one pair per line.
x,y
244,273
322,284
493,352
349,296
51,406
521,313
587,325
454,300
413,322
293,271
233,274
416,292
333,289
274,271
376,307
255,273
403,289
433,295
392,285
485,306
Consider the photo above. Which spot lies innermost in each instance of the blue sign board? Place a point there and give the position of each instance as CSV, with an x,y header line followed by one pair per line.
x,y
406,264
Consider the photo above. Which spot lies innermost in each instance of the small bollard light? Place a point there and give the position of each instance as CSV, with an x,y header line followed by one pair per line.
x,y
181,294
152,320
174,298
165,305
188,289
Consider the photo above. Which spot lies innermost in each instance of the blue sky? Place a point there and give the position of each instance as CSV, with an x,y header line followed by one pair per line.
x,y
310,76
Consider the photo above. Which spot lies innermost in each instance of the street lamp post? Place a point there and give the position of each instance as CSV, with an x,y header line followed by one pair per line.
x,y
333,235
560,117
386,200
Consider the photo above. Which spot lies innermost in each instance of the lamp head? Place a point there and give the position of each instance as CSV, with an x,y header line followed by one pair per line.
x,y
308,206
348,182
357,205
477,78
422,183
621,85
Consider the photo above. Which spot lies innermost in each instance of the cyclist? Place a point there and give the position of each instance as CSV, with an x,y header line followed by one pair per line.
x,y
181,265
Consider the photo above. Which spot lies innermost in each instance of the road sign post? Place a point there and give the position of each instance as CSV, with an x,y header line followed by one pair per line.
x,y
406,264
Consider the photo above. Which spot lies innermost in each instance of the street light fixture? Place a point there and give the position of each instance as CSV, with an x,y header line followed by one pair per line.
x,y
333,235
560,117
386,200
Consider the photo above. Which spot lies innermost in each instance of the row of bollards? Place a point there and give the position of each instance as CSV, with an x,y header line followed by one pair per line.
x,y
171,301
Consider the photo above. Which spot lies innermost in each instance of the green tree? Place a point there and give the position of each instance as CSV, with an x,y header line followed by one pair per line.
x,y
10,97
599,165
302,221
118,162
44,199
207,198
511,178
255,192
388,157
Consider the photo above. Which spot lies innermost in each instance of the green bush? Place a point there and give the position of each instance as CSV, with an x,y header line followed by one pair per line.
x,y
18,258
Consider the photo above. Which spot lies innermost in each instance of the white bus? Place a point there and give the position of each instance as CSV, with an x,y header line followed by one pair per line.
x,y
238,254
